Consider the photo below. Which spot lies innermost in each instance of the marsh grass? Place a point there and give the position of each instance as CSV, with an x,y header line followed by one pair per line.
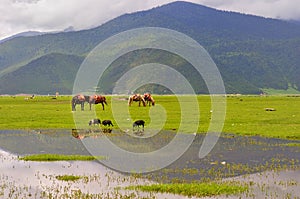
x,y
293,144
245,115
195,189
68,177
58,157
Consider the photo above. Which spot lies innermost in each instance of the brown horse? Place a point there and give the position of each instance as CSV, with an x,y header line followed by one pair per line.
x,y
79,99
97,99
149,99
136,98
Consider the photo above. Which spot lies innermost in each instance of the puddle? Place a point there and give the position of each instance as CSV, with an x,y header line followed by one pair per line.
x,y
238,158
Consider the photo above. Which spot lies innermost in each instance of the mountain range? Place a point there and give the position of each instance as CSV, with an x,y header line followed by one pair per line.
x,y
252,53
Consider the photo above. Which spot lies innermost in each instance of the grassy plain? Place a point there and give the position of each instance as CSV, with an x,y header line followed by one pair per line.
x,y
245,115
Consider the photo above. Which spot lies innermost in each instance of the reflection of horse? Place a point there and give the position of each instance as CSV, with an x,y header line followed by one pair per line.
x,y
149,99
79,99
97,99
136,98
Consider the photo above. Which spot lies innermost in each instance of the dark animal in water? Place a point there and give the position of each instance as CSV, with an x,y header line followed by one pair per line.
x,y
107,123
97,99
138,123
136,98
79,99
149,99
94,122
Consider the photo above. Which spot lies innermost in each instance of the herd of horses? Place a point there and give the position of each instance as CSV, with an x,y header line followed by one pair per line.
x,y
99,99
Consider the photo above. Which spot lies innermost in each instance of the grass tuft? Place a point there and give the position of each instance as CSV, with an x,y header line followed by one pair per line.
x,y
68,177
58,157
194,189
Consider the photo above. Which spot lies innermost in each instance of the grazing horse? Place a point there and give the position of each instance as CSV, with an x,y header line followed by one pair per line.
x,y
79,99
97,99
136,98
94,122
138,123
149,99
107,123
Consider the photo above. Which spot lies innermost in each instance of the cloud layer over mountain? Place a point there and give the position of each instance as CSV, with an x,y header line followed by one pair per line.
x,y
49,15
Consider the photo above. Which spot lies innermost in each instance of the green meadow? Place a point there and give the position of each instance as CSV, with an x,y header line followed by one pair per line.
x,y
245,115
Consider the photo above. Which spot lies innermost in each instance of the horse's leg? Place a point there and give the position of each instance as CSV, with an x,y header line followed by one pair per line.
x,y
73,105
90,105
82,106
102,105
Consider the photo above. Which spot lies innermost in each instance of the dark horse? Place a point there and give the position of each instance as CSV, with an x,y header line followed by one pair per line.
x,y
138,123
97,99
79,99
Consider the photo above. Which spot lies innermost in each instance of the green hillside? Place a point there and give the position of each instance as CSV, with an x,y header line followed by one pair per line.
x,y
252,53
48,74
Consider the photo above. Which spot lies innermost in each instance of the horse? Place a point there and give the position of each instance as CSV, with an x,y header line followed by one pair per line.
x,y
97,99
149,99
94,122
136,98
138,123
107,123
79,99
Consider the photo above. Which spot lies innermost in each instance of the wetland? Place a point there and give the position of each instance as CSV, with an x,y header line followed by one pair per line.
x,y
258,150
234,158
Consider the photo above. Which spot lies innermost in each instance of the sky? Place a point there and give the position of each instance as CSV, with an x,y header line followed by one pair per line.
x,y
57,15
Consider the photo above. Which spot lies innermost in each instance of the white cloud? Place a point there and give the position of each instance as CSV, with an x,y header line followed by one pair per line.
x,y
49,15
283,9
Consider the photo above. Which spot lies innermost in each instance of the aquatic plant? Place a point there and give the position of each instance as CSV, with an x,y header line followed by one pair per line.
x,y
194,189
58,157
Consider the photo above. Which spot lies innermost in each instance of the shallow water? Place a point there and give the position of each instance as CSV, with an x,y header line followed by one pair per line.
x,y
22,179
238,158
232,156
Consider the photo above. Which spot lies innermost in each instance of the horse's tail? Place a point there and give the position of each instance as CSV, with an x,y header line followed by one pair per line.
x,y
104,100
86,98
73,103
